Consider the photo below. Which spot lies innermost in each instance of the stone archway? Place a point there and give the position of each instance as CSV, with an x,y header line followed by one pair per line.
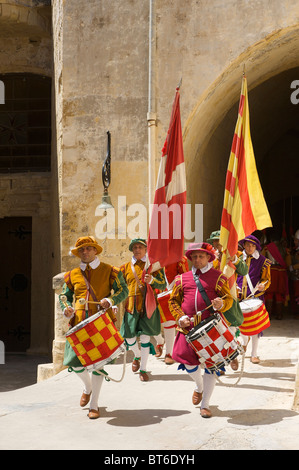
x,y
24,20
271,65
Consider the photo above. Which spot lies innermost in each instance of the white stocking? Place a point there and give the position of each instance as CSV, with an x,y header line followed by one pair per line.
x,y
169,335
144,339
83,374
96,381
209,381
195,374
159,339
132,344
245,339
254,345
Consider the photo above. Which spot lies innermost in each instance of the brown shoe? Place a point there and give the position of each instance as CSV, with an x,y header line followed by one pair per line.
x,y
205,413
234,364
143,376
158,349
85,399
255,360
94,414
196,398
136,364
168,359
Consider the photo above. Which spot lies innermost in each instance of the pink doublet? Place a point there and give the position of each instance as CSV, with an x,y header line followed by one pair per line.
x,y
212,281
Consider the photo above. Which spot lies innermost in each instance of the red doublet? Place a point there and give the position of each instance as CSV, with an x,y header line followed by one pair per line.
x,y
209,282
215,285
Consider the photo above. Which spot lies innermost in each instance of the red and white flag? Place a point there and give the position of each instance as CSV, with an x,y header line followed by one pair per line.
x,y
165,243
166,233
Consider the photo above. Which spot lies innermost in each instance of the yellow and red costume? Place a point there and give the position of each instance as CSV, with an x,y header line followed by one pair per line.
x,y
103,279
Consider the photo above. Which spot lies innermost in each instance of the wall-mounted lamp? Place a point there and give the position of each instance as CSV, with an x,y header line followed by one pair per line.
x,y
106,177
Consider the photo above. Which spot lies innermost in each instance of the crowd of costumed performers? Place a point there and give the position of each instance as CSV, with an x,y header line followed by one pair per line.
x,y
193,302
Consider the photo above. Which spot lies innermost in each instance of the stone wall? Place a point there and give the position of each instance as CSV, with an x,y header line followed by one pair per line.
x,y
26,47
101,63
104,83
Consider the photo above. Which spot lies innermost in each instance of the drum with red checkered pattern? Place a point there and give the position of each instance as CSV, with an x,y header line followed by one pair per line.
x,y
214,343
96,341
163,299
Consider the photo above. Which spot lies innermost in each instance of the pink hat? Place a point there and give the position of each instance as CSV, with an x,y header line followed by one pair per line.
x,y
206,247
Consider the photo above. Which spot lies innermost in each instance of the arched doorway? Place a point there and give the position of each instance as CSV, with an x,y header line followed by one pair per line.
x,y
274,125
271,66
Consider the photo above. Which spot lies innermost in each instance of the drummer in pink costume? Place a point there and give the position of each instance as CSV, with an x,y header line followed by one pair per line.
x,y
185,302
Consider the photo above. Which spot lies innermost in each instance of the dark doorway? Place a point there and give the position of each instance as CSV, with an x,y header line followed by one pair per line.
x,y
15,283
25,124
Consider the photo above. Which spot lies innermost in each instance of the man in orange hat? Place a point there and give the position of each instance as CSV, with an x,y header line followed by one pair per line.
x,y
92,281
185,301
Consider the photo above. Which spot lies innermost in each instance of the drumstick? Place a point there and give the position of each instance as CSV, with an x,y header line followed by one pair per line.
x,y
200,312
63,299
255,289
83,301
212,304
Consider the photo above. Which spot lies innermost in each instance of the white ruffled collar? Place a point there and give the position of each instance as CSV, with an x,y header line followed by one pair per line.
x,y
255,255
205,269
94,264
134,260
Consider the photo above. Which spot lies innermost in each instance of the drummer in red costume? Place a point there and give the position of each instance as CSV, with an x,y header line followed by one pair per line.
x,y
255,282
93,280
167,320
292,260
277,294
185,301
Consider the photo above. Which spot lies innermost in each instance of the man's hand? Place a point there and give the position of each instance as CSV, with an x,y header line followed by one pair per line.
x,y
217,303
68,312
261,286
184,322
105,304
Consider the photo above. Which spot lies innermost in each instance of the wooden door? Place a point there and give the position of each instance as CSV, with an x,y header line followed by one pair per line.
x,y
15,283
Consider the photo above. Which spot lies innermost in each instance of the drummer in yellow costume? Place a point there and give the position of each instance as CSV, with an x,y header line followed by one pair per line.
x,y
135,321
93,281
214,241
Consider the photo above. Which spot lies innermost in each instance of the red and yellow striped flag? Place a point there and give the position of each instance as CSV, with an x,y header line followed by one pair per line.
x,y
244,207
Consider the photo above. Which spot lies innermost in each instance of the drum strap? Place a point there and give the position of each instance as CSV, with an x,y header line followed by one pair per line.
x,y
89,288
252,289
203,293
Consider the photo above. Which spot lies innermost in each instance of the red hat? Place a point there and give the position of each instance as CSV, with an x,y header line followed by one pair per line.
x,y
206,247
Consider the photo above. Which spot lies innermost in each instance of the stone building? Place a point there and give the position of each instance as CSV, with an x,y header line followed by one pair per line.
x,y
75,69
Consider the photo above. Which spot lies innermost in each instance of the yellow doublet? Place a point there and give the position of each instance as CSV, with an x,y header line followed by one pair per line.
x,y
101,279
135,295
